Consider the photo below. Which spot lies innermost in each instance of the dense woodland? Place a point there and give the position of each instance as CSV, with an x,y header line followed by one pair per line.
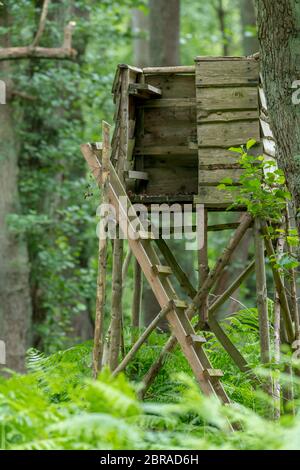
x,y
58,60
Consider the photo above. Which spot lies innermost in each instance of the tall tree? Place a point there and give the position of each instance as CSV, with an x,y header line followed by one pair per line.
x,y
279,37
248,20
164,32
15,301
140,25
164,29
221,14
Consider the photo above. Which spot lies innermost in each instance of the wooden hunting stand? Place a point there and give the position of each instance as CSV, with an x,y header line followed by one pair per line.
x,y
173,129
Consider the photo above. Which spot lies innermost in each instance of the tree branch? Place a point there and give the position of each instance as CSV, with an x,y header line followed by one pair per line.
x,y
42,23
30,52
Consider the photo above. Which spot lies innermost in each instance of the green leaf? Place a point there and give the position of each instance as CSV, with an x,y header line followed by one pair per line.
x,y
237,150
250,144
226,181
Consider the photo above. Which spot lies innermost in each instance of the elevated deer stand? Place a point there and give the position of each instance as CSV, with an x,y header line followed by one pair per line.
x,y
173,128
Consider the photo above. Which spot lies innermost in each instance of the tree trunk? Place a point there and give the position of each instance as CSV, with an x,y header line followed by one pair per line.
x,y
222,23
15,301
279,37
140,25
164,23
248,21
164,32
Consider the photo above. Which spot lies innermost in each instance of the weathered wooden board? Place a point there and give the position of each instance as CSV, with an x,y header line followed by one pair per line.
x,y
174,86
178,69
170,116
269,147
218,99
167,136
226,116
244,72
214,177
166,163
217,155
266,129
171,180
144,91
262,97
214,198
172,151
169,102
227,135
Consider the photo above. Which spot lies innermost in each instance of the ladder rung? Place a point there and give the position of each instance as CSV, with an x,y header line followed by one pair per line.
x,y
177,303
210,373
159,269
143,235
192,339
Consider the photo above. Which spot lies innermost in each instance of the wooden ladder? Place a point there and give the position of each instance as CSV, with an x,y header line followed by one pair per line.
x,y
158,277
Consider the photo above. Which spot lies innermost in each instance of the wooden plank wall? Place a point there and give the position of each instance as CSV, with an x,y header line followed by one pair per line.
x,y
227,116
165,129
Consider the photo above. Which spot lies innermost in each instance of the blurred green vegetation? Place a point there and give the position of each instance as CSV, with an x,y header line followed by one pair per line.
x,y
57,406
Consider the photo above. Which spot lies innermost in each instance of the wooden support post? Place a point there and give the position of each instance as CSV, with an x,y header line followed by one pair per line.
x,y
178,272
142,339
107,343
123,124
212,278
277,343
231,289
101,277
293,287
126,266
261,294
116,305
136,301
156,366
226,342
216,328
124,277
203,269
286,315
222,262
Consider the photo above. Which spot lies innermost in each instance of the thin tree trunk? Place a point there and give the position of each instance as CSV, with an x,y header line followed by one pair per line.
x,y
203,265
248,22
140,25
164,32
136,301
292,280
277,342
164,29
261,294
221,18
